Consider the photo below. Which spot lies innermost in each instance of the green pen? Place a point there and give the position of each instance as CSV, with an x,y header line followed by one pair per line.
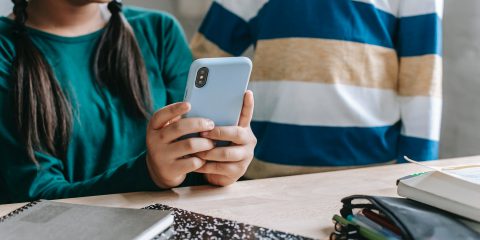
x,y
365,232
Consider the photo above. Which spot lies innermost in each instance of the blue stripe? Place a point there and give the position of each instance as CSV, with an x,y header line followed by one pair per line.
x,y
325,146
326,19
225,29
420,35
342,20
417,148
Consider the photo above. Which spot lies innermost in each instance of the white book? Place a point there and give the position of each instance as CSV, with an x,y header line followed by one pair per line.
x,y
452,189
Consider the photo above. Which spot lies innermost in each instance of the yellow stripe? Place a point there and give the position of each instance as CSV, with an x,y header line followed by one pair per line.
x,y
421,76
259,169
337,62
326,61
204,48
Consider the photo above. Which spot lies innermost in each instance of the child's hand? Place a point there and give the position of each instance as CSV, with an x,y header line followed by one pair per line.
x,y
227,164
169,160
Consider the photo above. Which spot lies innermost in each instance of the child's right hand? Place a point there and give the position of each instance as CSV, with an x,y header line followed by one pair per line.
x,y
169,160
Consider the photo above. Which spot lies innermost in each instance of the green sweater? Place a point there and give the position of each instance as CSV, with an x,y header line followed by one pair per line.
x,y
107,147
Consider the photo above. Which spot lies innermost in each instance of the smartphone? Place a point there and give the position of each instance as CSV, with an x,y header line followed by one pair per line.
x,y
216,87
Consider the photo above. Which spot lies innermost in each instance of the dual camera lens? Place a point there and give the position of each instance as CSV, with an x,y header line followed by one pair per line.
x,y
202,76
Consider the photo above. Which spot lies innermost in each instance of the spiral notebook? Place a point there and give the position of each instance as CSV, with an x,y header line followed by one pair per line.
x,y
55,220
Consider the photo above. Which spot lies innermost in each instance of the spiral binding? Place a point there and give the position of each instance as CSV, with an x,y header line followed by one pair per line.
x,y
18,211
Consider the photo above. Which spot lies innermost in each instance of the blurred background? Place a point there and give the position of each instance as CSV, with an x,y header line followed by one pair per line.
x,y
461,112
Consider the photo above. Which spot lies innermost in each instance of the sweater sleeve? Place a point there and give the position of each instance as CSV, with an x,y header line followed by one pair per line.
x,y
227,29
24,180
419,46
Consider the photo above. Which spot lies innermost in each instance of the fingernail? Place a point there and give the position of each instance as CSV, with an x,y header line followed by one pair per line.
x,y
184,106
210,124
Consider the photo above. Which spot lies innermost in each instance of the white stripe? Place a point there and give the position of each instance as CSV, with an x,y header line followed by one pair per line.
x,y
389,6
420,7
421,117
318,104
245,9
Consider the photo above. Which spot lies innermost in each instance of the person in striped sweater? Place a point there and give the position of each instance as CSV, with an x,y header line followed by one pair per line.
x,y
338,83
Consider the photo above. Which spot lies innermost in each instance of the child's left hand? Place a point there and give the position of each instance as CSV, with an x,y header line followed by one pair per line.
x,y
225,165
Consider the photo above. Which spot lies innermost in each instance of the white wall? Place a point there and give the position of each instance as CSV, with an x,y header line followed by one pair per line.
x,y
5,7
461,115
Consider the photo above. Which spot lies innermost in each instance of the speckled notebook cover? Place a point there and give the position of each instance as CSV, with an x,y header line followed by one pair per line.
x,y
190,225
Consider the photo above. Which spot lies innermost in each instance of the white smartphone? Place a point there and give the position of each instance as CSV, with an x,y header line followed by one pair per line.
x,y
216,87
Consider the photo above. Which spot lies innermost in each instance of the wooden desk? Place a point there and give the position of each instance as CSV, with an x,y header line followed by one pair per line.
x,y
299,204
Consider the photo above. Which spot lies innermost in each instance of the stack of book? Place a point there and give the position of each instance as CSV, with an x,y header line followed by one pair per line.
x,y
452,189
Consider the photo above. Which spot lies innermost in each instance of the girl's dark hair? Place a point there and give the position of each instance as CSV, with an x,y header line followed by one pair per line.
x,y
43,113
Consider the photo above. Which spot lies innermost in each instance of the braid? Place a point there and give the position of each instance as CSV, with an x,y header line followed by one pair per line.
x,y
42,112
115,7
120,66
20,12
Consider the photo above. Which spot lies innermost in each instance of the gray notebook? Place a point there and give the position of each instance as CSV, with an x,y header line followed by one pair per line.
x,y
54,220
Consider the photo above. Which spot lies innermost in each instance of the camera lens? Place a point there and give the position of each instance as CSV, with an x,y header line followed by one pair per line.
x,y
201,78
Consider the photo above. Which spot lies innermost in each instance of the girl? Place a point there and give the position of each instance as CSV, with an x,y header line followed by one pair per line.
x,y
78,90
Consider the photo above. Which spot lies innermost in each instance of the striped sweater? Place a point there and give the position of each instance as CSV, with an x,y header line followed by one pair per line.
x,y
337,83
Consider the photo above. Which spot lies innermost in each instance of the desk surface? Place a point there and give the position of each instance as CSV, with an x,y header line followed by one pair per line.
x,y
301,204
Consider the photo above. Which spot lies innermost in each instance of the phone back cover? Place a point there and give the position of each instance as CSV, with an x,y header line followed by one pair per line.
x,y
221,98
